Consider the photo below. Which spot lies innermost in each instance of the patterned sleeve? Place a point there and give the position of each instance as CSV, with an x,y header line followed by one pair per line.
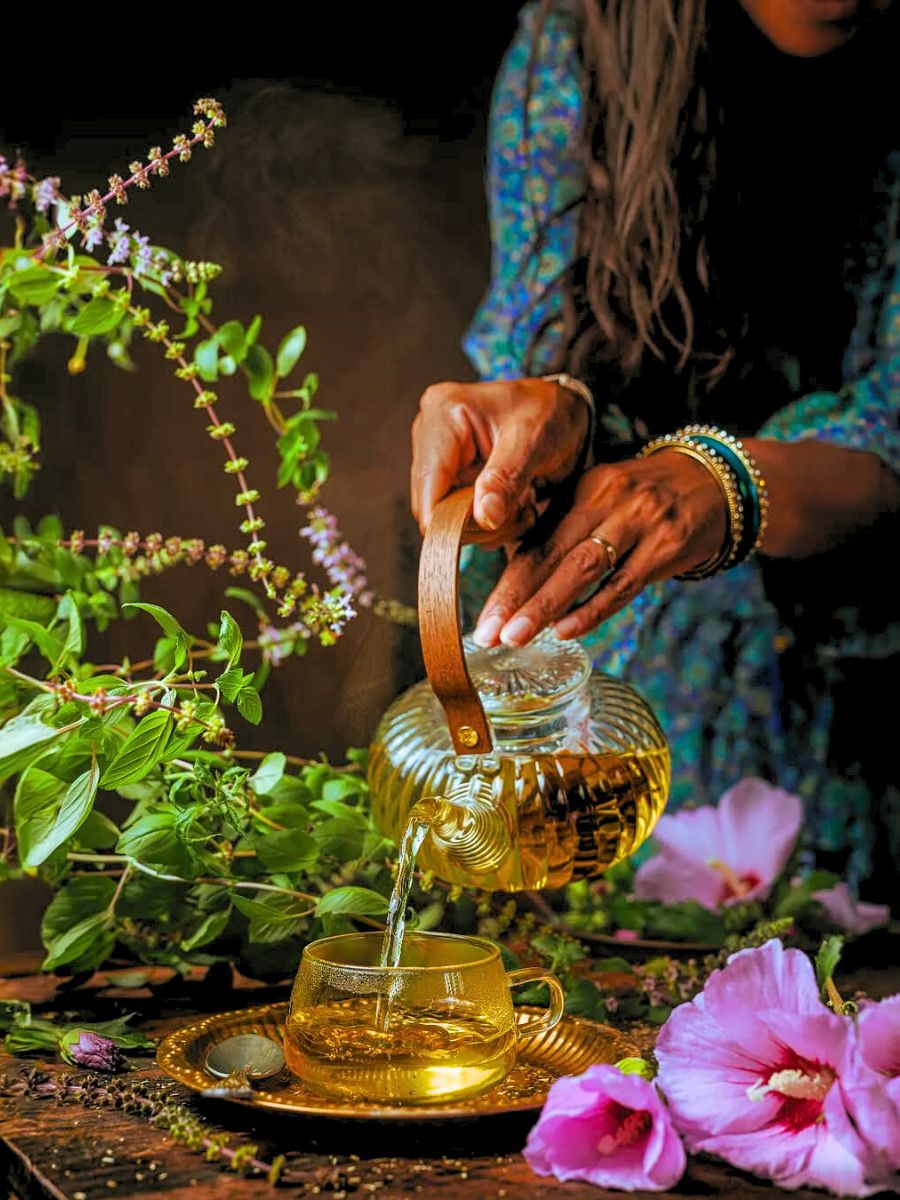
x,y
865,413
535,187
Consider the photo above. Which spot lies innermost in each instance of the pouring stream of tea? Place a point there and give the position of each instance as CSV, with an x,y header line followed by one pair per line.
x,y
417,826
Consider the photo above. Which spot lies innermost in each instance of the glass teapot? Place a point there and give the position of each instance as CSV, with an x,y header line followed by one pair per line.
x,y
540,771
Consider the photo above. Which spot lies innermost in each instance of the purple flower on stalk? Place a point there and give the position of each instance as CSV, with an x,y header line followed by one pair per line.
x,y
120,242
845,912
83,1048
46,193
759,1072
725,854
610,1129
93,237
143,254
343,566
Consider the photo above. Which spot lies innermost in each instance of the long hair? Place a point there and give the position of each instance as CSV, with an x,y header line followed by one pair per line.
x,y
649,154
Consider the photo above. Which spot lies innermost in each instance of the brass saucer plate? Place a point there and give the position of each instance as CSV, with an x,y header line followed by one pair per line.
x,y
570,1048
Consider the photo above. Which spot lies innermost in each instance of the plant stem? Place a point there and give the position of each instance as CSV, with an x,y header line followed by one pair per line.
x,y
235,884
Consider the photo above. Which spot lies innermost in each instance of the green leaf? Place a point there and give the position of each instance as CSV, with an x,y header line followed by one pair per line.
x,y
31,1041
90,940
76,900
269,772
231,681
342,840
273,917
208,930
74,644
14,1013
231,640
206,356
22,739
343,786
153,840
35,285
290,350
260,372
169,626
140,752
98,832
250,705
253,330
98,316
584,999
827,958
287,851
48,813
49,645
232,337
358,900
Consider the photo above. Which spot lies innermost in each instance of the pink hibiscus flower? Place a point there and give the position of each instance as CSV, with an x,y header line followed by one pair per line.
x,y
875,1102
845,912
610,1129
724,854
759,1072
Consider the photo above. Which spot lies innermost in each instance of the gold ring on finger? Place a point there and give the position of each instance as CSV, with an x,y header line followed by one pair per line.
x,y
611,552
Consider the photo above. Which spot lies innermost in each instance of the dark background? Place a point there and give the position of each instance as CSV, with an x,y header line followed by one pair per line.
x,y
346,194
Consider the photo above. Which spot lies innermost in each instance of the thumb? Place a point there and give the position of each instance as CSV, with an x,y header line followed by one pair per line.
x,y
506,476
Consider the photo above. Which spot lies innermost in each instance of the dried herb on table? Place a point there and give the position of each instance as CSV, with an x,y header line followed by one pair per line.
x,y
147,1100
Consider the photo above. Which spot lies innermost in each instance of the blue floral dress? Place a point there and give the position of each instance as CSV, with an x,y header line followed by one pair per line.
x,y
715,658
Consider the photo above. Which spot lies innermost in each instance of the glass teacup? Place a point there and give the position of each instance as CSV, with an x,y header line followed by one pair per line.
x,y
440,1026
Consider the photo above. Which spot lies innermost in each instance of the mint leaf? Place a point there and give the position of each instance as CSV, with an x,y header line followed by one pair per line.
x,y
352,900
140,752
47,812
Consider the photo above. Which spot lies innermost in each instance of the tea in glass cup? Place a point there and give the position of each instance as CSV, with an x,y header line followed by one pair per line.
x,y
439,1026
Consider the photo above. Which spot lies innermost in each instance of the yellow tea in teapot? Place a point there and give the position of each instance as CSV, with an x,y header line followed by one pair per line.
x,y
550,769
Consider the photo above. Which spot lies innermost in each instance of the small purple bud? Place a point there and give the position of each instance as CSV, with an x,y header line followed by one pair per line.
x,y
83,1048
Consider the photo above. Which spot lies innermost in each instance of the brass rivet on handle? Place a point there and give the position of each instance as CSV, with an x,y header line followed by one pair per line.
x,y
467,736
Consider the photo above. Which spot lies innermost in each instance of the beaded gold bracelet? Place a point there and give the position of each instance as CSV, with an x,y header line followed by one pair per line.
x,y
727,481
751,483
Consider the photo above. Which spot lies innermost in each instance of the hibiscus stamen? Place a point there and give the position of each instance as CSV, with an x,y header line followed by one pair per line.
x,y
794,1084
737,885
631,1130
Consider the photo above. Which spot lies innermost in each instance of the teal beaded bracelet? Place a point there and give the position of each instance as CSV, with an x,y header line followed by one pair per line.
x,y
750,482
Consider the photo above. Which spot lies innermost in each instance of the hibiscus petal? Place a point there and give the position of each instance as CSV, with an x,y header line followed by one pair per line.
x,y
821,1037
765,977
670,878
879,1034
844,1165
844,911
774,1152
759,826
706,1076
693,834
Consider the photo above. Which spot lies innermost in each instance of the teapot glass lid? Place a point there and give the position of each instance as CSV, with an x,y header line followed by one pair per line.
x,y
544,674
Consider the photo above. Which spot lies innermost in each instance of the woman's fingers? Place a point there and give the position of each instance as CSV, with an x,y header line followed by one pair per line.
x,y
647,563
444,447
579,570
508,474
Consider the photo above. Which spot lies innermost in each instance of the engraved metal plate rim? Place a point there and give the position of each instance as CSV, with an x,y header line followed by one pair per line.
x,y
173,1059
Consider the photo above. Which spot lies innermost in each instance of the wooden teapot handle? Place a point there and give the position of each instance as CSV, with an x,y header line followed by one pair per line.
x,y
448,530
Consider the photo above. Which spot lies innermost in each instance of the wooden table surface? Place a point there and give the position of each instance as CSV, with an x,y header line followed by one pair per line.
x,y
68,1152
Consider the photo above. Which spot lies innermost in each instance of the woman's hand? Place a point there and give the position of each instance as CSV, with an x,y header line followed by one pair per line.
x,y
653,517
507,437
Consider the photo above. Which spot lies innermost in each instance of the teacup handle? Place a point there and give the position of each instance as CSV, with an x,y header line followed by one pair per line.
x,y
557,999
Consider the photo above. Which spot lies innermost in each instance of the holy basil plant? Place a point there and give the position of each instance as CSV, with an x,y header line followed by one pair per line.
x,y
123,785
